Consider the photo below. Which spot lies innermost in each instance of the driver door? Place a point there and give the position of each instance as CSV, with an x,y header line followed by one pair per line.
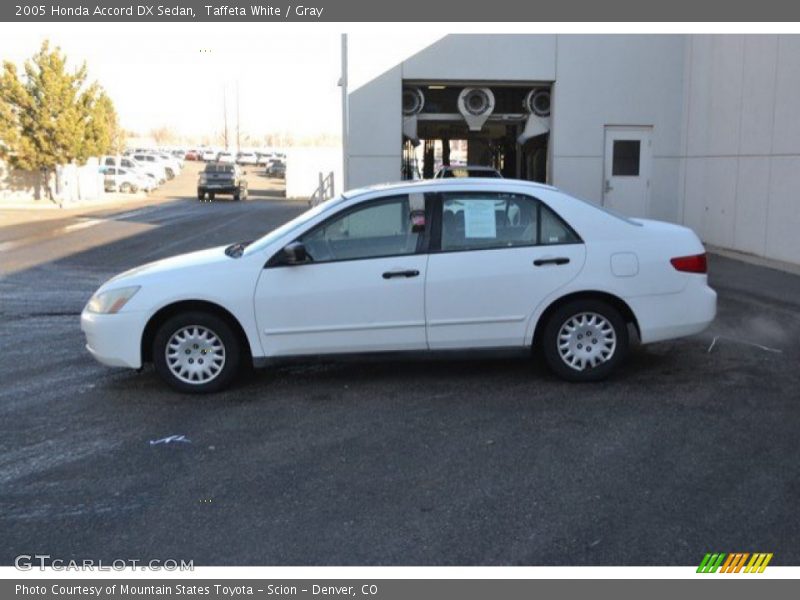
x,y
362,289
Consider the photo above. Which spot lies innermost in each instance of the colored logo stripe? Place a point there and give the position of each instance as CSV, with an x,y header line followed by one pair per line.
x,y
710,563
734,562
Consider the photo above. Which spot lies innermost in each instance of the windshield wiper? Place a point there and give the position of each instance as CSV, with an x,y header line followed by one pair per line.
x,y
236,250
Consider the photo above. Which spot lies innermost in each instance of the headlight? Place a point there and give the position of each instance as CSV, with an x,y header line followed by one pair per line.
x,y
112,301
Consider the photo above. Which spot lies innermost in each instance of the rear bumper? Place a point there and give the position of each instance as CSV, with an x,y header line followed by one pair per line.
x,y
218,189
114,340
669,316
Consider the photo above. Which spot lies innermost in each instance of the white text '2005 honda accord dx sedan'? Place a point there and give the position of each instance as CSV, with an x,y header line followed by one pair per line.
x,y
433,265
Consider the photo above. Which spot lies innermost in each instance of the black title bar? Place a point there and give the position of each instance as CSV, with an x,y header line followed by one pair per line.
x,y
404,10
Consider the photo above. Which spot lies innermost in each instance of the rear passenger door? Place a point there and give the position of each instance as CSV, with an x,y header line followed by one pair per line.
x,y
497,257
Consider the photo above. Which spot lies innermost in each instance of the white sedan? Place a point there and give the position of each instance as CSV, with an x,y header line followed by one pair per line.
x,y
423,266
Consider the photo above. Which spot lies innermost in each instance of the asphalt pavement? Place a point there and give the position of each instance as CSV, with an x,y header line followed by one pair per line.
x,y
691,448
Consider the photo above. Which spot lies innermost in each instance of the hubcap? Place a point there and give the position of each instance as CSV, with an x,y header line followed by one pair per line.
x,y
586,340
195,354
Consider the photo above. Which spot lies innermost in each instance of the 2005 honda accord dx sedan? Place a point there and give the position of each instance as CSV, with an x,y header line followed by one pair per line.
x,y
432,265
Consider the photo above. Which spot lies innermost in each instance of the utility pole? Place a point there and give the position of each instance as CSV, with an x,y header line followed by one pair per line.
x,y
345,114
238,132
225,116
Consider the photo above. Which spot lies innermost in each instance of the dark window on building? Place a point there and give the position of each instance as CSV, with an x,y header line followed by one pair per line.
x,y
626,158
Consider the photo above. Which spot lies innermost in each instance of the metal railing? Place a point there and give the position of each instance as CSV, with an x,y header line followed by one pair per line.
x,y
324,190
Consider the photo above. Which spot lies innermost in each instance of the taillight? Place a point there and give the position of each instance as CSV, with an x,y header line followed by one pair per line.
x,y
696,263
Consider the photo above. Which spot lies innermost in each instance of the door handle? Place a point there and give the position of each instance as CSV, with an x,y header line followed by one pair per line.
x,y
561,260
408,273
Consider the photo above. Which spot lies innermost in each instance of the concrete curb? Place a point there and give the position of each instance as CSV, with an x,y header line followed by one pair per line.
x,y
752,259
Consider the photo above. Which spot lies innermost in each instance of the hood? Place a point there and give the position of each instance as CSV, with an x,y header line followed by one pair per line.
x,y
200,258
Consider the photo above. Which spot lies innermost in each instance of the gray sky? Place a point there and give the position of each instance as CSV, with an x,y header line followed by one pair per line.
x,y
173,74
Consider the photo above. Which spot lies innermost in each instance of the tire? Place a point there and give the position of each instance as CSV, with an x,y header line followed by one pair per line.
x,y
125,188
210,196
564,340
201,194
170,173
209,341
237,196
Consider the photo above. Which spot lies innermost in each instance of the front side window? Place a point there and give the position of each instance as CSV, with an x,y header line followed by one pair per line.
x,y
381,228
495,220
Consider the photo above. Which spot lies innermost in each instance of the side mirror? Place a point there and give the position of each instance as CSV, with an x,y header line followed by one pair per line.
x,y
294,254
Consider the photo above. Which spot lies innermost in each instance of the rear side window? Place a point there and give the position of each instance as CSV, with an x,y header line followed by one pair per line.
x,y
218,168
477,221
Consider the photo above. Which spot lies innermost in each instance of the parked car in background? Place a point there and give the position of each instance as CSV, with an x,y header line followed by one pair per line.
x,y
154,165
221,178
117,179
170,163
209,155
126,162
276,168
419,266
263,158
466,171
191,155
246,158
226,157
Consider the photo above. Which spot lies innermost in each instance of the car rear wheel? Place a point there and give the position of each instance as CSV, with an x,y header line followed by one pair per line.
x,y
585,340
201,195
210,195
125,188
196,352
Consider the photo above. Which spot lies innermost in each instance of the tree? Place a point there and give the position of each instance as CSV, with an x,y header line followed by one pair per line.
x,y
103,132
49,116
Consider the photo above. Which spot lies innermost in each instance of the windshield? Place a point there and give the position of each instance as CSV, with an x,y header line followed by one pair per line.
x,y
295,223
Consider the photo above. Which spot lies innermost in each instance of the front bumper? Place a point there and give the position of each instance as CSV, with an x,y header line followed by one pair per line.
x,y
114,340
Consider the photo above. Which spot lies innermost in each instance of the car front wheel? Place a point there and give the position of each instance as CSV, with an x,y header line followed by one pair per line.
x,y
585,340
196,352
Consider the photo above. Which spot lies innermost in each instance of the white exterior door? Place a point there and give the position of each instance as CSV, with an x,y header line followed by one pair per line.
x,y
501,255
363,289
627,164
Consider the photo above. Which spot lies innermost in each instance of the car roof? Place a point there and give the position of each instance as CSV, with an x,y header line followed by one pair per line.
x,y
454,184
